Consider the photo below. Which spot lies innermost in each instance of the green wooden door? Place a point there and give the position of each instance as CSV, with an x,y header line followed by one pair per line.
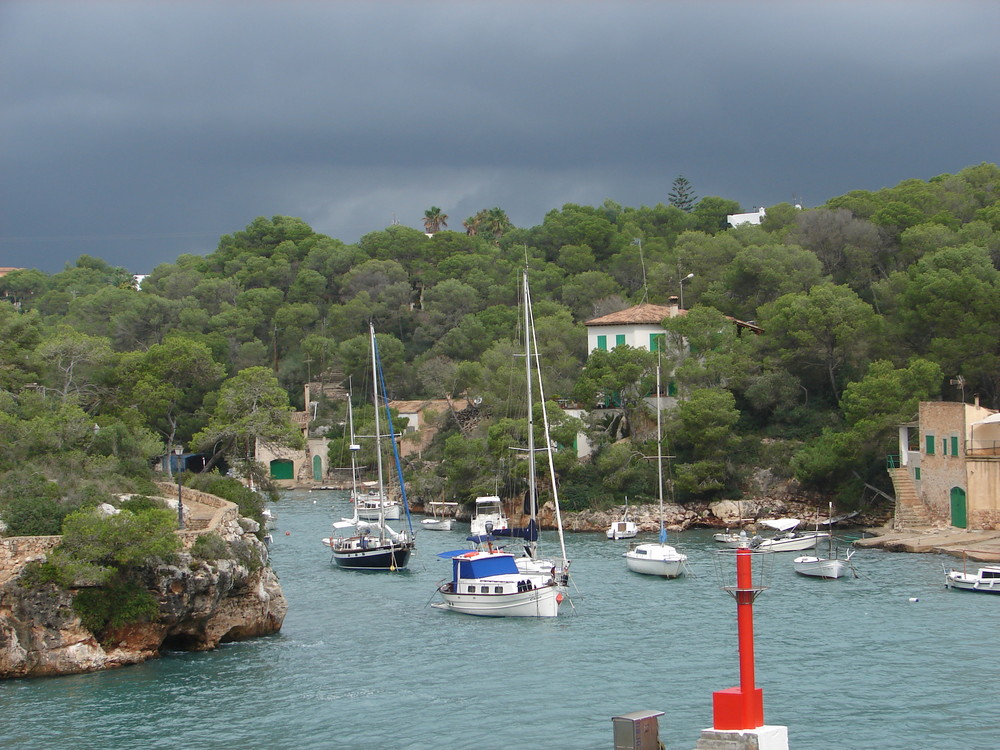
x,y
282,469
959,518
317,468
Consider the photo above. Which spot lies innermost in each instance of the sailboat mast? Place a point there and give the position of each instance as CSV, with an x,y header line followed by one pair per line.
x,y
532,487
378,438
659,446
545,423
353,448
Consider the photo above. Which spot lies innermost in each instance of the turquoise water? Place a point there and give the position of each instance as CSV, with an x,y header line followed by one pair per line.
x,y
362,662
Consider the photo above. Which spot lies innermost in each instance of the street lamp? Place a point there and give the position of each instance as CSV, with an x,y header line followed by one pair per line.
x,y
178,451
689,276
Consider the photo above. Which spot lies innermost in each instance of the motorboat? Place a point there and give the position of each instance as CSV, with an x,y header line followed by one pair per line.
x,y
489,510
487,582
657,558
438,521
830,566
731,538
788,538
985,580
372,504
625,528
374,545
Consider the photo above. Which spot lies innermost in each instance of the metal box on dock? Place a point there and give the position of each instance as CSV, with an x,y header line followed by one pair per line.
x,y
639,730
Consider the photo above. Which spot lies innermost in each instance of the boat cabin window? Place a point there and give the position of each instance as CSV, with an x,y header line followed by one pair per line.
x,y
484,590
991,574
641,552
472,589
498,589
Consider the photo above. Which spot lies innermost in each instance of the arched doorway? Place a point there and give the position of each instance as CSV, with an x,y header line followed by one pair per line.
x,y
317,469
959,514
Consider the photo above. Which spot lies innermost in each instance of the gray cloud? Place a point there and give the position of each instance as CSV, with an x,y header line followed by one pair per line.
x,y
139,131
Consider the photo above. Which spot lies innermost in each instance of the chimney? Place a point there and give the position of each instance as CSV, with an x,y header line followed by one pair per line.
x,y
674,306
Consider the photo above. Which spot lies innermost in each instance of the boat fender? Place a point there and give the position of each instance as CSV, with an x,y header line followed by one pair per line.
x,y
914,599
559,598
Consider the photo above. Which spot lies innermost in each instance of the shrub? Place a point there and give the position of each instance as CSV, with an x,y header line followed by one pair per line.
x,y
34,516
116,605
209,547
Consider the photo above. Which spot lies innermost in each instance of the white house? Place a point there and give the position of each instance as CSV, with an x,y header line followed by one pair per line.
x,y
639,327
754,217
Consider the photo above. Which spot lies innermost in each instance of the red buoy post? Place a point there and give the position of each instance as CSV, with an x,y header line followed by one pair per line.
x,y
742,707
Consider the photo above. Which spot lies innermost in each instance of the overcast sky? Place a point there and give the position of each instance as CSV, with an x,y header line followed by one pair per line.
x,y
138,131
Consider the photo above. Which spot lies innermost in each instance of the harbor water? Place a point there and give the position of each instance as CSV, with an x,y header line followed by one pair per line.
x,y
889,660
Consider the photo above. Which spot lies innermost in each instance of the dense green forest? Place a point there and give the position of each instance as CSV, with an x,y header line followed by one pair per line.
x,y
867,304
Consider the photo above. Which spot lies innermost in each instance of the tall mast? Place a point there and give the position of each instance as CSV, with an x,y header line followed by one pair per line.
x,y
532,488
548,441
659,449
378,438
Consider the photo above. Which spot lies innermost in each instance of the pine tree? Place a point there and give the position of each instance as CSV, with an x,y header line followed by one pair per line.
x,y
681,194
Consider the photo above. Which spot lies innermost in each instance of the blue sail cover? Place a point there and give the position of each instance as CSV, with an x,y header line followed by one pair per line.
x,y
484,567
528,533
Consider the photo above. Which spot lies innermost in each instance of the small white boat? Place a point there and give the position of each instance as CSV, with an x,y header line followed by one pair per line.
x,y
656,558
623,529
487,582
373,505
822,567
788,539
731,538
438,521
489,510
985,580
830,566
270,518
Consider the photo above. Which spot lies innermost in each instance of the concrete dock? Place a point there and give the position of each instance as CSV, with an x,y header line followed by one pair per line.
x,y
980,546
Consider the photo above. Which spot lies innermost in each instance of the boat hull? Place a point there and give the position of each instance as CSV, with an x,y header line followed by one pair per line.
x,y
390,512
819,567
978,582
789,544
436,524
622,530
539,602
655,560
382,557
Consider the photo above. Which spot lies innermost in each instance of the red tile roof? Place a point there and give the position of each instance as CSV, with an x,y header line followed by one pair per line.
x,y
643,314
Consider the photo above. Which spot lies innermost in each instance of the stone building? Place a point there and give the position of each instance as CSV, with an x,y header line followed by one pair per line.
x,y
949,465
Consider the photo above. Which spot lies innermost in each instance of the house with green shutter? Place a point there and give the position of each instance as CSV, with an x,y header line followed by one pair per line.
x,y
948,468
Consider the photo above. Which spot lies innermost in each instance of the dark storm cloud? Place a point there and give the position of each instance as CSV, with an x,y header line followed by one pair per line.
x,y
138,131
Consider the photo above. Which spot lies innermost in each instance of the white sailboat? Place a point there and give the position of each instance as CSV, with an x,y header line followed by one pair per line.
x,y
823,567
491,582
375,546
656,558
531,561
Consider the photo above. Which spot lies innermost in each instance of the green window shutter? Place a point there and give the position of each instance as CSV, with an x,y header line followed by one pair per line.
x,y
672,388
916,473
620,339
656,342
944,446
954,445
930,445
602,343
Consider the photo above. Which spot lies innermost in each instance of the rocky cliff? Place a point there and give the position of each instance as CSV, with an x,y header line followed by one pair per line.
x,y
201,604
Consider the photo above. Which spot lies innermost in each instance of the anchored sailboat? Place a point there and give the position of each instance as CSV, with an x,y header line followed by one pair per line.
x,y
656,558
375,546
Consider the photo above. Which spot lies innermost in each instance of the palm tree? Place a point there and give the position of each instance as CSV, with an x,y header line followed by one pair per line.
x,y
498,222
434,220
472,224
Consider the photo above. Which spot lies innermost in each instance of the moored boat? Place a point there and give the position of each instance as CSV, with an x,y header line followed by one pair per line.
x,y
487,582
985,580
624,528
